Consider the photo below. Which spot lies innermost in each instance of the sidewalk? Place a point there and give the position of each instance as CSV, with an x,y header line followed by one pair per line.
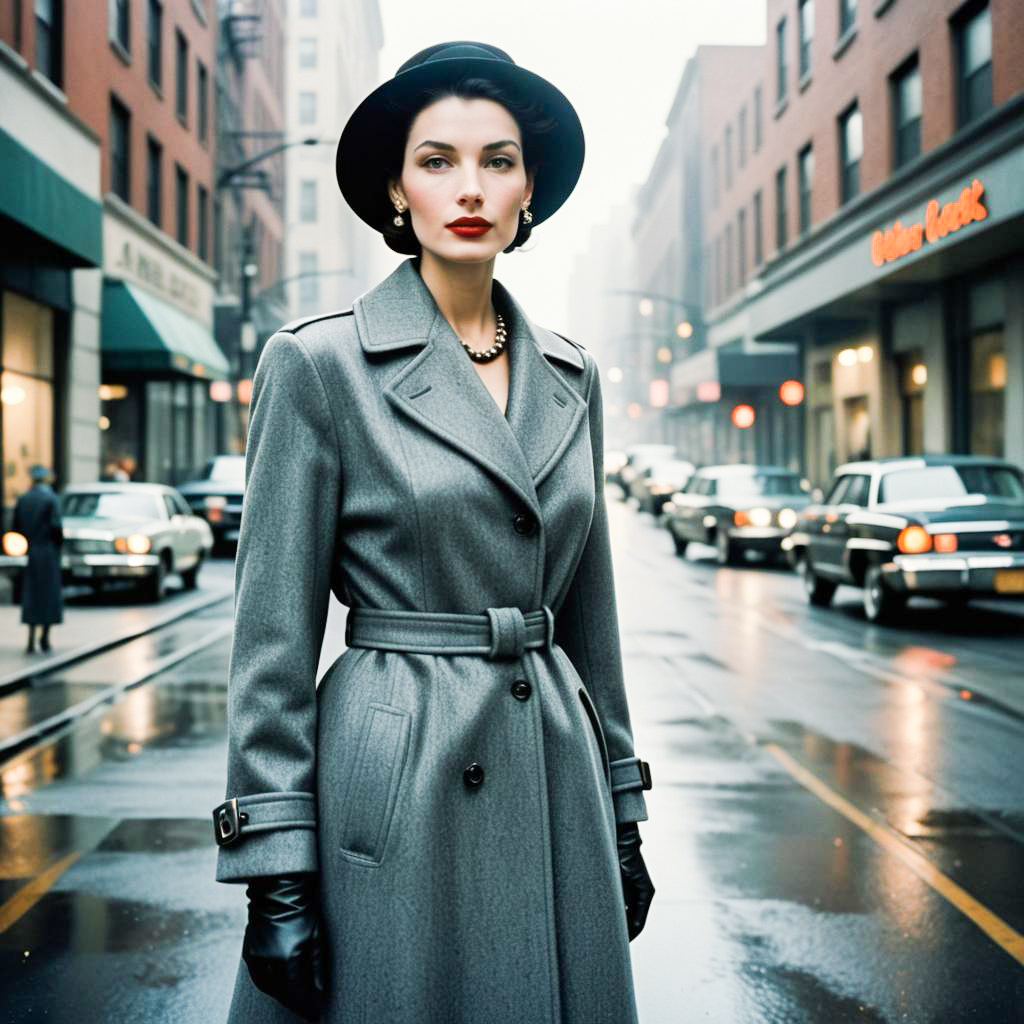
x,y
92,624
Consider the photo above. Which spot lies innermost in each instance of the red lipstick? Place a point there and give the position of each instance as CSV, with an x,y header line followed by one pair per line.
x,y
470,227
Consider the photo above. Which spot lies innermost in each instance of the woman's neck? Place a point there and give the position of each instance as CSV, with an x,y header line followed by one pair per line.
x,y
462,292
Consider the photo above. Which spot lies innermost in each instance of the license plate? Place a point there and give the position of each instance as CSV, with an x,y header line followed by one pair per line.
x,y
1009,581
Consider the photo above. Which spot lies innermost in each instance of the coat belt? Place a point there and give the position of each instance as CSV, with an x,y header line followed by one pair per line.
x,y
495,633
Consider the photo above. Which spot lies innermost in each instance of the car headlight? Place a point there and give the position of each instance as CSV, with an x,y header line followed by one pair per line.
x,y
787,518
661,488
15,544
760,517
215,501
133,544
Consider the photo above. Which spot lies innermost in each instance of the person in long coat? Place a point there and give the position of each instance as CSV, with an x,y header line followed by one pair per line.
x,y
37,517
444,830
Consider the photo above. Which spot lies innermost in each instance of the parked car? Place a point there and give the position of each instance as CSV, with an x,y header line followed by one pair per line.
x,y
944,526
135,531
638,458
653,487
216,496
736,508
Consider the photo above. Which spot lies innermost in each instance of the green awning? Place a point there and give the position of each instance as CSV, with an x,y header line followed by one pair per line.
x,y
33,194
144,333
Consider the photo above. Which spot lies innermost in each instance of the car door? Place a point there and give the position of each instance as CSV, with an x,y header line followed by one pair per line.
x,y
820,541
854,499
191,527
688,501
175,530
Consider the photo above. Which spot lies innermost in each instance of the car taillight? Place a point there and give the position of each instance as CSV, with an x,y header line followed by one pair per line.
x,y
945,543
914,540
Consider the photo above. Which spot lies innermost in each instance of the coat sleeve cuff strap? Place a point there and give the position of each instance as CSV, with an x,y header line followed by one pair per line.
x,y
630,773
262,812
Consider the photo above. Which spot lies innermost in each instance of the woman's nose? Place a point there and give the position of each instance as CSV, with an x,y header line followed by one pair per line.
x,y
470,193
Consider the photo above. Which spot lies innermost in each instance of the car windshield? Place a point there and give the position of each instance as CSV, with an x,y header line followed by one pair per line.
x,y
227,469
111,505
756,485
1001,483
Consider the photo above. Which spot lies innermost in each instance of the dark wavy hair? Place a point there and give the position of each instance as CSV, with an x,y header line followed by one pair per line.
x,y
529,116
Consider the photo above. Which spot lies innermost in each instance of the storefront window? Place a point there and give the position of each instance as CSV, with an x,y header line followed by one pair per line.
x,y
858,428
121,430
988,391
26,392
913,379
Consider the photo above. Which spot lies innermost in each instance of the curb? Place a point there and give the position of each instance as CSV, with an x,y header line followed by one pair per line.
x,y
14,680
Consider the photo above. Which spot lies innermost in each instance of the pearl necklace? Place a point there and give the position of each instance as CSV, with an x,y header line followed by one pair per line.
x,y
486,355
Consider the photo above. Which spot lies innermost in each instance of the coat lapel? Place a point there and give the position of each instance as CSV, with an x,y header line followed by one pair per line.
x,y
439,389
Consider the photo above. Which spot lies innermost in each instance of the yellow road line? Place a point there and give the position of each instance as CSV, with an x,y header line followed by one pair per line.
x,y
29,895
994,927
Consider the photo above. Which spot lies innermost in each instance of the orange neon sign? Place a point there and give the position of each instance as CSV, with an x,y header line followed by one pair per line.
x,y
899,240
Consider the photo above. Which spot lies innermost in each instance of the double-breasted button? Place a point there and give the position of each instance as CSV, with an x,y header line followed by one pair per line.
x,y
524,523
473,775
521,689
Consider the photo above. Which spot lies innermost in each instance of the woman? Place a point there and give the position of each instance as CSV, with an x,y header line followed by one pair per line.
x,y
37,517
445,831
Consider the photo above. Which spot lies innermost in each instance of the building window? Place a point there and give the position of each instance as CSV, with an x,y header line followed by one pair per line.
x,y
851,147
714,177
120,150
741,136
50,39
307,201
309,282
847,16
728,260
781,236
156,42
906,114
202,100
780,60
154,180
806,165
121,24
741,247
181,68
218,232
974,64
307,9
203,210
758,120
728,156
307,53
181,200
806,35
758,234
307,108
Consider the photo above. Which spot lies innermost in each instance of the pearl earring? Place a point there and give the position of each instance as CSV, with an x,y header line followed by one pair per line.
x,y
398,220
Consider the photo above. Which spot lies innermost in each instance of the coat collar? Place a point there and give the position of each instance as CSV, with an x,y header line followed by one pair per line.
x,y
440,390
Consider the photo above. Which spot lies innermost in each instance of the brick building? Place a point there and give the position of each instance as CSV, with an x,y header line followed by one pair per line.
x,y
137,74
837,218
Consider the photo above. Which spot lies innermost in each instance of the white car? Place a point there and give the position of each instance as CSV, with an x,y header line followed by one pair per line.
x,y
139,531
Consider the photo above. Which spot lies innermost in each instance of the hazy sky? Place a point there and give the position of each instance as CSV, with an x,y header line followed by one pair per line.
x,y
618,63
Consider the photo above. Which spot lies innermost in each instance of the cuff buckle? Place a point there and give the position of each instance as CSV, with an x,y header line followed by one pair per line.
x,y
228,821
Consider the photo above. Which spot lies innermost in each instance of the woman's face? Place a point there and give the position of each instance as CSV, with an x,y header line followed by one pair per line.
x,y
463,159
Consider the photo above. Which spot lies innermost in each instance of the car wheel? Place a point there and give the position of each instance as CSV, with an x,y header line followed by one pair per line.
x,y
190,577
880,602
819,592
727,551
155,586
681,544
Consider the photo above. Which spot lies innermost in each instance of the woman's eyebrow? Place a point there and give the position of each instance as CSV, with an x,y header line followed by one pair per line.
x,y
451,149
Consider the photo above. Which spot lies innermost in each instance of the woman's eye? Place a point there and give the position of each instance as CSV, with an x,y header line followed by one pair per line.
x,y
429,162
507,161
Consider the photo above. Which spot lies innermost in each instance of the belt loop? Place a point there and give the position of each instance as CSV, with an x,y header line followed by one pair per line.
x,y
348,626
508,633
549,630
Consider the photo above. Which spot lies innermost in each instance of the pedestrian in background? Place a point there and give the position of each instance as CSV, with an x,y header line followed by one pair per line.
x,y
443,832
37,517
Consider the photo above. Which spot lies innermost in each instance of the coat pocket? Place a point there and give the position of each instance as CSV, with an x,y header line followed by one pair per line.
x,y
374,784
595,722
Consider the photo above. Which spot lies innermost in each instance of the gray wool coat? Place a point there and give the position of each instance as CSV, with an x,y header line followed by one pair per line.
x,y
37,516
379,466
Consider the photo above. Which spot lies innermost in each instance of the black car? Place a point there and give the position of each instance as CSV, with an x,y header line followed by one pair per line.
x,y
943,526
736,508
217,496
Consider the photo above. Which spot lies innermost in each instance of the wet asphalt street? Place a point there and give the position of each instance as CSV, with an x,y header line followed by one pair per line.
x,y
836,831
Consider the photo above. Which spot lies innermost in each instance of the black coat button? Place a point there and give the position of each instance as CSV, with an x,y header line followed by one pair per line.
x,y
521,689
524,523
473,776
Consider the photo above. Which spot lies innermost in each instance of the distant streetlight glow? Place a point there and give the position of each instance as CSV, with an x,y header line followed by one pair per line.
x,y
791,392
634,410
684,329
646,306
615,375
658,393
848,357
709,391
664,354
743,416
220,391
865,353
919,375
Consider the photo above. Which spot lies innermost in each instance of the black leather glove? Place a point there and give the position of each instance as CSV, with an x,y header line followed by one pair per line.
x,y
637,890
282,941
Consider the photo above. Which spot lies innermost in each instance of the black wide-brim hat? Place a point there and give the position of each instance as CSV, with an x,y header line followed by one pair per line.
x,y
374,137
